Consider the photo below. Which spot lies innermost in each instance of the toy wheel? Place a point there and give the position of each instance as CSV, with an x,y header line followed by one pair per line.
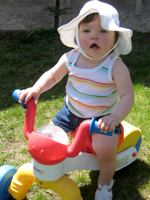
x,y
6,174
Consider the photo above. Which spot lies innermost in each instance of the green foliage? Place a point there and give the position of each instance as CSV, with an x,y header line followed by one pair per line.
x,y
57,12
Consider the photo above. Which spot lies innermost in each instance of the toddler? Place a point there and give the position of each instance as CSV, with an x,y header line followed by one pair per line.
x,y
97,77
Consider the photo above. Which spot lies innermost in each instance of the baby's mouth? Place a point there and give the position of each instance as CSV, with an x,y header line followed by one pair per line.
x,y
94,46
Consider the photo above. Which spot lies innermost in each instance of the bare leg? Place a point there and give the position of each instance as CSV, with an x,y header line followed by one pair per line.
x,y
106,148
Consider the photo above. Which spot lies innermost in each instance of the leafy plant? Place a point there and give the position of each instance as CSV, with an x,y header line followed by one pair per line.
x,y
56,12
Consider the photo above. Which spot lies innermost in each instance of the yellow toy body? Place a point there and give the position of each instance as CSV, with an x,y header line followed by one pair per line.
x,y
65,187
23,179
21,182
131,136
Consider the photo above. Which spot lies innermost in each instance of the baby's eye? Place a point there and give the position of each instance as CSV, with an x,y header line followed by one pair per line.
x,y
86,31
103,31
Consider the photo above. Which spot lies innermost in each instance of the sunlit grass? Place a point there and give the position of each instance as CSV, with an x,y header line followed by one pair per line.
x,y
24,57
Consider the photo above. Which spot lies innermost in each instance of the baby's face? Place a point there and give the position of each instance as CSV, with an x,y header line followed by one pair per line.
x,y
95,40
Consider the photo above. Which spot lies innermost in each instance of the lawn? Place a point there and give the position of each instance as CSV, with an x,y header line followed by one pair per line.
x,y
24,56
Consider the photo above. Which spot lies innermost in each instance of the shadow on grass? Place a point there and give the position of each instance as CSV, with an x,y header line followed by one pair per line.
x,y
128,181
25,57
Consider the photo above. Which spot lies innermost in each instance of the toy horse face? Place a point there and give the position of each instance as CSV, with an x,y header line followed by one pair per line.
x,y
48,144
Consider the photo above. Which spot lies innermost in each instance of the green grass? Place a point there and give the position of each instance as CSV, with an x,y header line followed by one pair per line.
x,y
24,56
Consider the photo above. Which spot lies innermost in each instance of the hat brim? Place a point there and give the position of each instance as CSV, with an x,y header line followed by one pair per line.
x,y
68,33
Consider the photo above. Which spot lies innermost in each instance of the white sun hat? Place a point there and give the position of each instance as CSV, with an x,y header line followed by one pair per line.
x,y
109,21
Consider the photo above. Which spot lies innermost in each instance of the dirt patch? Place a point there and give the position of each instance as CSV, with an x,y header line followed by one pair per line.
x,y
30,15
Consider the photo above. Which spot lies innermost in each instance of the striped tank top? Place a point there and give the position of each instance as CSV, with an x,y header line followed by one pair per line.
x,y
91,92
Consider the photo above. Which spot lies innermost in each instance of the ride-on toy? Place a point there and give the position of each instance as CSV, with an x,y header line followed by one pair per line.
x,y
53,156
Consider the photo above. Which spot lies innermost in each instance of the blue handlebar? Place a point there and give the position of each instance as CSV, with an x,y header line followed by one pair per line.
x,y
94,128
16,97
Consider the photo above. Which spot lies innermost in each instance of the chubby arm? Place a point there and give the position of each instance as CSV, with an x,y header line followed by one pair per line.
x,y
122,79
46,81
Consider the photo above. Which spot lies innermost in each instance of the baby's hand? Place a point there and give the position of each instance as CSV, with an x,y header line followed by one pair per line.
x,y
33,92
107,123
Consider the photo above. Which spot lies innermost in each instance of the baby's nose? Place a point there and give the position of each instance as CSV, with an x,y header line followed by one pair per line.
x,y
94,35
